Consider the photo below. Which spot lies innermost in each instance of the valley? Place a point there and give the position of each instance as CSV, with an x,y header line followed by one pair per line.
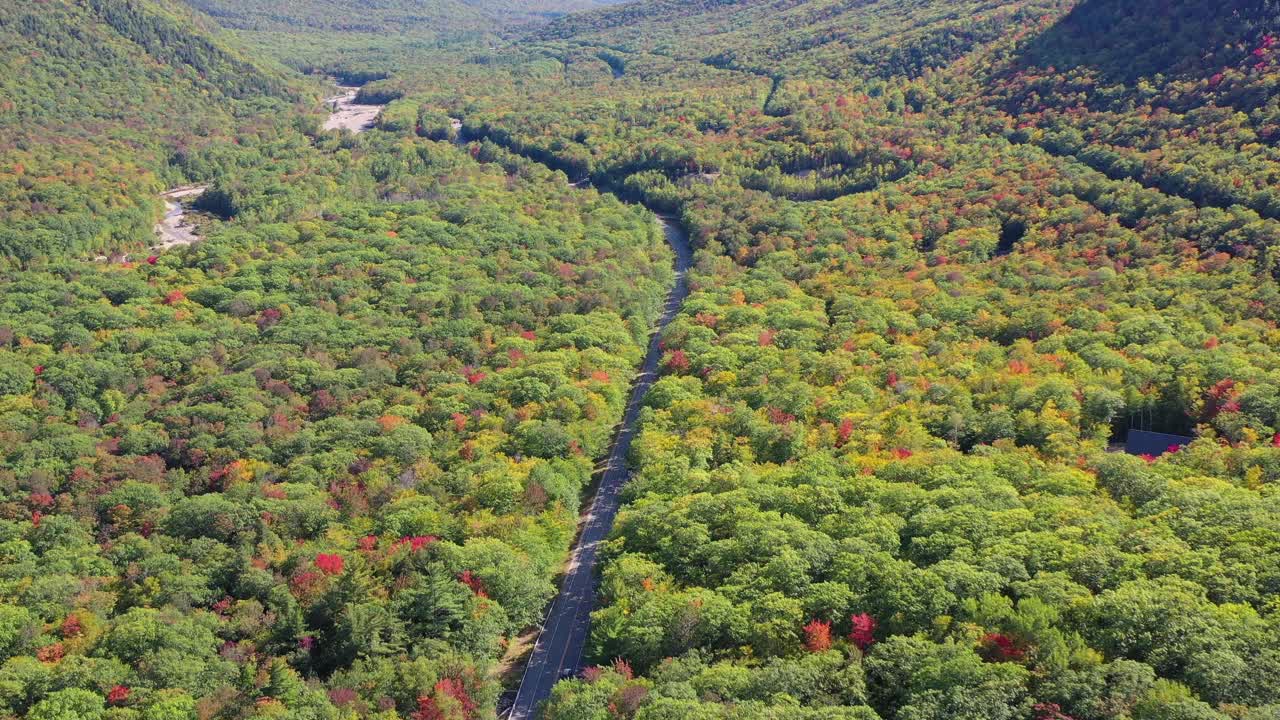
x,y
346,114
658,360
174,229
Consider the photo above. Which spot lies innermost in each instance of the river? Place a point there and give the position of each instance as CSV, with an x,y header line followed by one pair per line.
x,y
175,230
346,114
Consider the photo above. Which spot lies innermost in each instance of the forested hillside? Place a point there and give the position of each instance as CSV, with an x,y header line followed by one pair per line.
x,y
949,254
362,39
381,16
326,463
95,98
777,38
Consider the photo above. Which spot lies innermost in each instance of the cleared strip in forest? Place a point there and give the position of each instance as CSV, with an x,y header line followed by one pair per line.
x,y
1146,181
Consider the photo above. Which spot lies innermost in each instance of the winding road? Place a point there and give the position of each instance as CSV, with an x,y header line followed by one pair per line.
x,y
558,650
557,653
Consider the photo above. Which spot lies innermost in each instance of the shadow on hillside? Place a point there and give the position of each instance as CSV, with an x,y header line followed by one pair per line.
x,y
1129,39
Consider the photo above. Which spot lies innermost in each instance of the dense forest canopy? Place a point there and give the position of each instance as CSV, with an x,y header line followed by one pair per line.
x,y
95,98
377,16
327,462
359,39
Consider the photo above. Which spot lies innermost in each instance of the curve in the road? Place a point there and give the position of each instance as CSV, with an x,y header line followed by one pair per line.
x,y
558,650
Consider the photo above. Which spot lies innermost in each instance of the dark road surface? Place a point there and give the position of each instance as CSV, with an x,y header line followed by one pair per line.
x,y
564,631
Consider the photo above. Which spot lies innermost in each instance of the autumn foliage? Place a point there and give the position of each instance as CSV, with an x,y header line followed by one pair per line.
x,y
817,636
329,564
863,629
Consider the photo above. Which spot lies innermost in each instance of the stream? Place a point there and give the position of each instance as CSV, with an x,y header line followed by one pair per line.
x,y
175,230
346,114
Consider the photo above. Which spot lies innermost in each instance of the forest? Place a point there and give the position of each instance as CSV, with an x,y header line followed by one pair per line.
x,y
329,462
363,39
98,97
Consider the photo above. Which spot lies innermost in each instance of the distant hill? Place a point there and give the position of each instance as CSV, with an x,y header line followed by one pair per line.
x,y
363,39
94,95
832,38
400,17
1127,40
1083,80
117,59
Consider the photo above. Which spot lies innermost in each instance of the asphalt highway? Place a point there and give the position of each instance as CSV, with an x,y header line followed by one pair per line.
x,y
558,650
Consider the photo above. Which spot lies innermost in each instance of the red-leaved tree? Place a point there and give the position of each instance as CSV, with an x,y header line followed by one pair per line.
x,y
817,636
453,688
678,362
475,583
864,631
844,432
119,695
329,563
1050,711
427,709
999,647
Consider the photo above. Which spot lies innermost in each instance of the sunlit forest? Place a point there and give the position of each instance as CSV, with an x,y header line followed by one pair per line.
x,y
951,257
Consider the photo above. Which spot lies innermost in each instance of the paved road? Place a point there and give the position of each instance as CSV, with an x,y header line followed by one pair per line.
x,y
568,622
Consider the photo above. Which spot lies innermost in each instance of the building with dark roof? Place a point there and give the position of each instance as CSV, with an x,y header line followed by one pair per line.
x,y
1145,442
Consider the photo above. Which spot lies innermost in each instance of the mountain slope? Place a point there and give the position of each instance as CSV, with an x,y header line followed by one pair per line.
x,y
1129,40
112,59
95,95
363,39
834,38
400,17
950,255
